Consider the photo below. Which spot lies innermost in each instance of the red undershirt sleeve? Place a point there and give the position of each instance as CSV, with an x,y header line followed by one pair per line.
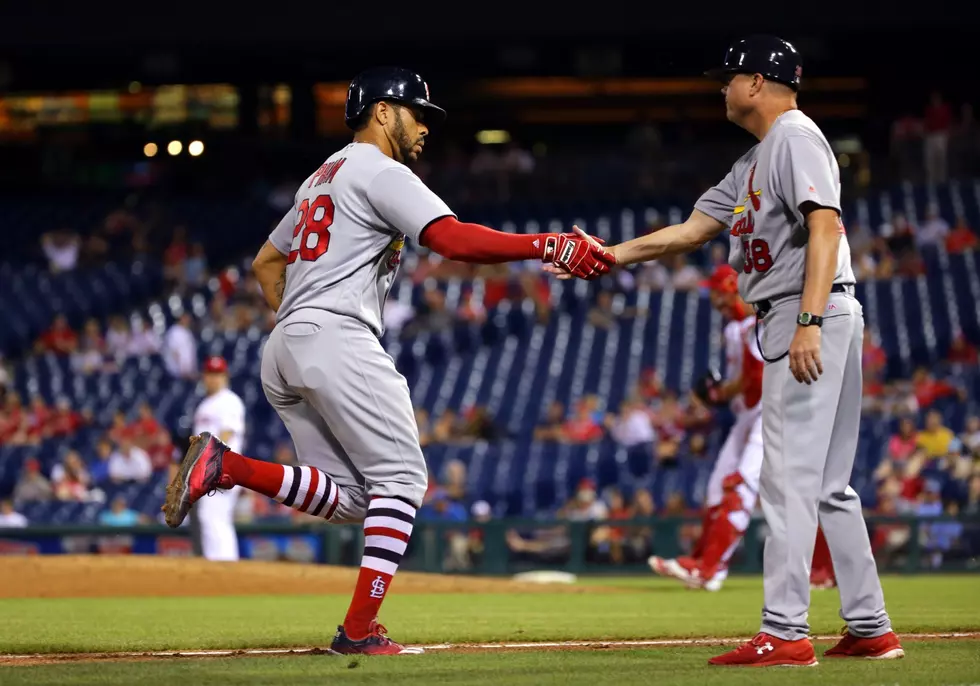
x,y
463,242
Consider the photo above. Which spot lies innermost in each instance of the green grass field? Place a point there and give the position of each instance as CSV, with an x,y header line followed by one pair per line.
x,y
639,608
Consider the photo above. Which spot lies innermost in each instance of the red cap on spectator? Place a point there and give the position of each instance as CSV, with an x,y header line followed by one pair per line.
x,y
723,279
215,365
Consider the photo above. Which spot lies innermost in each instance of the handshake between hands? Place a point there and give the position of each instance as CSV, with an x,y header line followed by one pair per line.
x,y
576,254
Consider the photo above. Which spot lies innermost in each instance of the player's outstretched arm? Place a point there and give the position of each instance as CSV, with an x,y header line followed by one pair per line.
x,y
677,238
269,267
576,254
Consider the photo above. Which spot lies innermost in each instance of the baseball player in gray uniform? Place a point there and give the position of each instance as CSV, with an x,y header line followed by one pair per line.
x,y
326,269
781,206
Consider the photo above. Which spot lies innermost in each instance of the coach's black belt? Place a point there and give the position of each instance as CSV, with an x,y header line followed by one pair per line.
x,y
762,307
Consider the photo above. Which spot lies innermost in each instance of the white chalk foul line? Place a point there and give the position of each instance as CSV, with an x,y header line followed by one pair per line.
x,y
663,643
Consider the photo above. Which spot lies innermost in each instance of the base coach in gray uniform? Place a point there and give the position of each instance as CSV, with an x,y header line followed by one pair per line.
x,y
780,204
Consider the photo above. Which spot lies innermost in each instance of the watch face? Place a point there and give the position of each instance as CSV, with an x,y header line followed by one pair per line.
x,y
804,318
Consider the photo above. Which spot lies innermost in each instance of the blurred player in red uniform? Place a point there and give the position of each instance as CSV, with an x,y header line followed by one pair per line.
x,y
734,483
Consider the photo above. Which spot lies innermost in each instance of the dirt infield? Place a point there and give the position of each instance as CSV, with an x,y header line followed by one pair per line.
x,y
96,576
55,658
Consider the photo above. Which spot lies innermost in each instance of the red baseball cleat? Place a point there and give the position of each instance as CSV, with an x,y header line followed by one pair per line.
x,y
375,643
199,474
768,651
884,647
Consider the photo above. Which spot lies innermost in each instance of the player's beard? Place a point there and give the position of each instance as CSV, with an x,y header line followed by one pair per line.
x,y
406,146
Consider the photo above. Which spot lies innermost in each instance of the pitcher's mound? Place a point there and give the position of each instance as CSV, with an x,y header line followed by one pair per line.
x,y
100,576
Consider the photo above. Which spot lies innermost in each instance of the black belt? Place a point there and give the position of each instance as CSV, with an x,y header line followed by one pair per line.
x,y
762,308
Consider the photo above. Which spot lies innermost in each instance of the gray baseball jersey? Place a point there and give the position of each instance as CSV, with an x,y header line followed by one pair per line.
x,y
345,232
760,199
809,431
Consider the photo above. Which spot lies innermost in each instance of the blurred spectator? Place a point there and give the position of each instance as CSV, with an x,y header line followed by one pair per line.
x,y
873,358
928,389
64,421
478,425
195,272
32,487
99,468
639,539
129,463
61,248
889,540
454,480
13,421
961,238
37,418
59,339
633,425
481,513
686,277
608,540
151,436
971,435
425,431
70,479
906,145
10,518
933,231
180,349
649,387
174,255
902,444
117,338
582,426
434,315
899,235
972,506
119,514
445,429
719,253
585,506
600,314
119,430
962,352
90,355
553,427
697,446
143,339
397,315
934,439
965,144
937,123
653,275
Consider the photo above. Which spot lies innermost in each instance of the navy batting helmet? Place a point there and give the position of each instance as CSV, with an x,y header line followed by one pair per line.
x,y
389,83
776,59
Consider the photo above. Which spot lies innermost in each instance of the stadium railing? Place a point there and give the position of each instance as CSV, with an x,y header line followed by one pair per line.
x,y
906,544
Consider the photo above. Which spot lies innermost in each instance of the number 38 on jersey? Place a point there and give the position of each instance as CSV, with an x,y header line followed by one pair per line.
x,y
757,256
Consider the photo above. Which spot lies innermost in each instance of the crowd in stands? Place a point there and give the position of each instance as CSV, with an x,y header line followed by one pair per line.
x,y
925,468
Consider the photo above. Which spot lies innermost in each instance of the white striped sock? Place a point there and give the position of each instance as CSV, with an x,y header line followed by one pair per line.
x,y
387,528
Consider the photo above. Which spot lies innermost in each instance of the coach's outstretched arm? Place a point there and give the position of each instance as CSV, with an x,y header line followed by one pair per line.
x,y
678,238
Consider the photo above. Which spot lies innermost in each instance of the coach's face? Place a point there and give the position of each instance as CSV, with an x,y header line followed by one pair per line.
x,y
739,91
407,132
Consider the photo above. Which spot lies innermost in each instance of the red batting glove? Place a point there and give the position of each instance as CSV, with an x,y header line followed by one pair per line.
x,y
732,481
578,256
